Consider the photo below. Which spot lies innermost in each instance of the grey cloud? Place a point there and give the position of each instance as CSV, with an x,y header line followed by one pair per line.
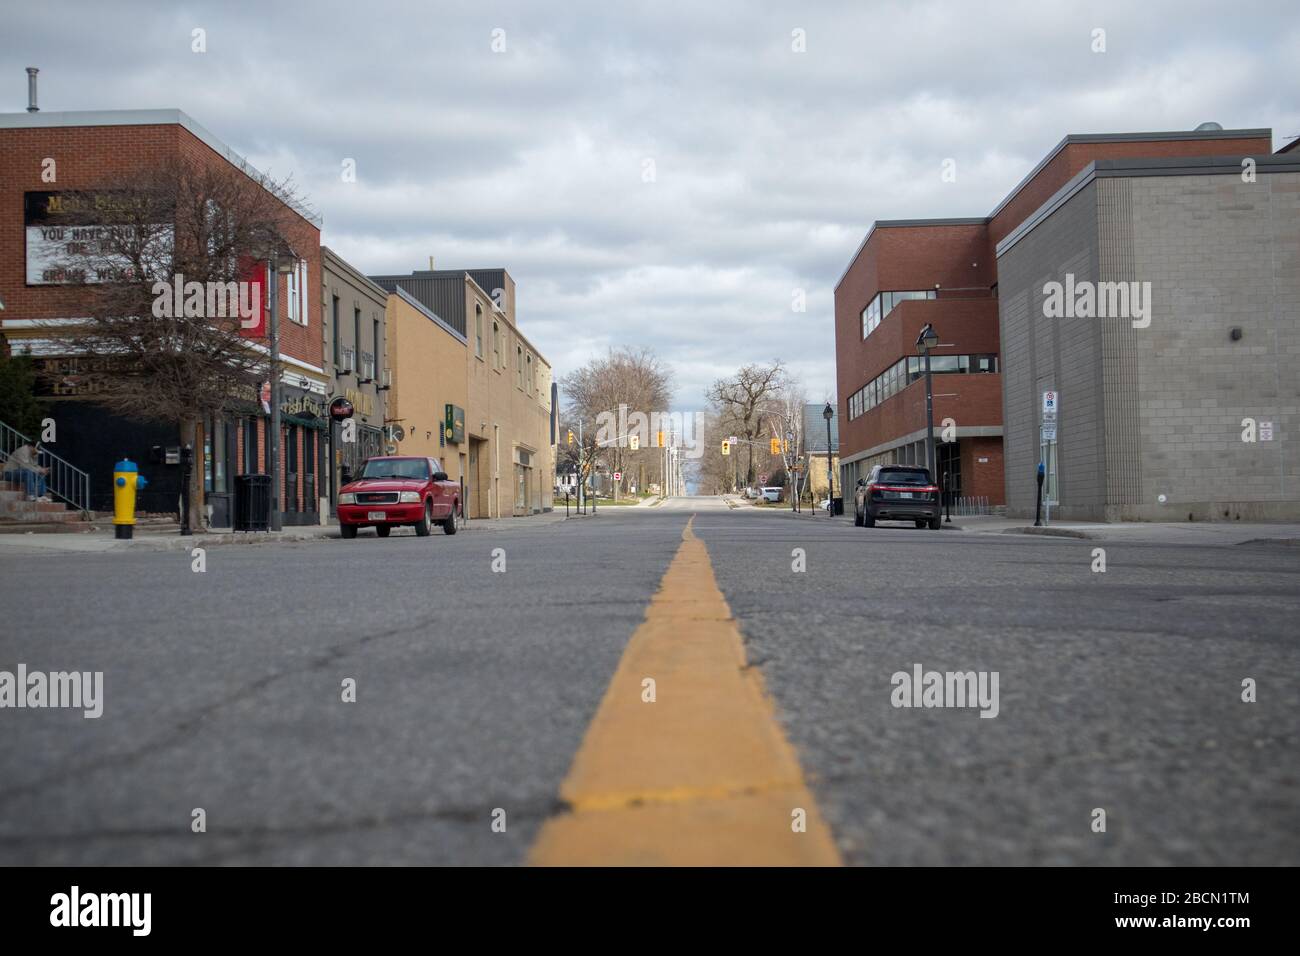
x,y
770,165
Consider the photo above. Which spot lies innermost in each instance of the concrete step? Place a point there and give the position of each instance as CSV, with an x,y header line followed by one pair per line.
x,y
50,517
46,527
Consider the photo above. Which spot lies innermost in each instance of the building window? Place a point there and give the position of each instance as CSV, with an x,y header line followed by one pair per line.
x,y
356,336
878,309
496,345
334,326
296,293
519,367
528,374
906,371
478,330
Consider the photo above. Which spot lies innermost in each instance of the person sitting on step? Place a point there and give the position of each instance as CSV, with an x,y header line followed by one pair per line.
x,y
24,467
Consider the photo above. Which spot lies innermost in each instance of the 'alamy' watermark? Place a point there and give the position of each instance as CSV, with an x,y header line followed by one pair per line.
x,y
207,300
676,429
1098,300
923,688
82,690
76,908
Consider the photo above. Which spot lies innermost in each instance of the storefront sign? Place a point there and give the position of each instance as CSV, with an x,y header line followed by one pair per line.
x,y
341,409
362,402
302,405
454,424
74,237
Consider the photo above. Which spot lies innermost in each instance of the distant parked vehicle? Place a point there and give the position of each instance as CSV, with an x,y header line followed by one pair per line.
x,y
751,493
772,494
896,493
393,491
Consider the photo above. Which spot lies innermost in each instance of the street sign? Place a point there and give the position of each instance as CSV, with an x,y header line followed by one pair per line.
x,y
1049,402
1265,431
1048,431
618,476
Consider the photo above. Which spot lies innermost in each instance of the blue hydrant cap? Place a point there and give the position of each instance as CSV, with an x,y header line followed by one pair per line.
x,y
121,482
126,464
140,481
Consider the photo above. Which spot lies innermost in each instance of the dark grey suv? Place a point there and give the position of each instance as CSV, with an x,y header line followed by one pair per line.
x,y
896,493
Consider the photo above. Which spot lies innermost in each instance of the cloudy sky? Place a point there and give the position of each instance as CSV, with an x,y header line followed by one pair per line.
x,y
664,174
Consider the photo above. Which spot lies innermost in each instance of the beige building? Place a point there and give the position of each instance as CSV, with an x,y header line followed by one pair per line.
x,y
508,452
354,321
427,357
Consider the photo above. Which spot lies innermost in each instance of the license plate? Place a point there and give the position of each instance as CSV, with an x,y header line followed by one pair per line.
x,y
904,494
376,515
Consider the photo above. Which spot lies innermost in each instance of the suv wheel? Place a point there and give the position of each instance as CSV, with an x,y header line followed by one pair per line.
x,y
935,523
867,520
857,518
425,524
348,531
921,522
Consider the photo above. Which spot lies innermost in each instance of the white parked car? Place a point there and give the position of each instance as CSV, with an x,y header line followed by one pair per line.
x,y
772,494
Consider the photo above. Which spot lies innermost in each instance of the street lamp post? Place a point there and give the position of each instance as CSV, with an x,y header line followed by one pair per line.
x,y
281,261
925,342
828,413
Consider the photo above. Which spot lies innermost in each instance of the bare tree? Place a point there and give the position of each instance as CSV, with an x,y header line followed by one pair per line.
x,y
181,226
746,399
632,378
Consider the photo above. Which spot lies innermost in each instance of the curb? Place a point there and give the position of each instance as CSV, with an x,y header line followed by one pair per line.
x,y
1053,533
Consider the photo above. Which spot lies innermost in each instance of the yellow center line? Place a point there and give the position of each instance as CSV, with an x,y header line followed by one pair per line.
x,y
703,775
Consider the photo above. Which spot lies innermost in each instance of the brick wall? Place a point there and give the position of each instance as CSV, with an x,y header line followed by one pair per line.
x,y
86,157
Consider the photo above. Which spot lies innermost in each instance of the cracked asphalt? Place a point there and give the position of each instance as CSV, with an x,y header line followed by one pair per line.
x,y
1119,691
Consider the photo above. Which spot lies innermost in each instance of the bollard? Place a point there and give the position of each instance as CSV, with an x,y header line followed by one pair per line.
x,y
126,481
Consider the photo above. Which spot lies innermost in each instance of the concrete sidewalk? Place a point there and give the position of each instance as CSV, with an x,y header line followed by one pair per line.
x,y
1146,532
101,540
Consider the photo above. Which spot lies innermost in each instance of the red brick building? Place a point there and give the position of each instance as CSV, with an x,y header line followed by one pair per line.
x,y
943,272
44,153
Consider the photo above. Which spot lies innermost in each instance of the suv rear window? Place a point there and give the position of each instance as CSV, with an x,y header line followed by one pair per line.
x,y
904,476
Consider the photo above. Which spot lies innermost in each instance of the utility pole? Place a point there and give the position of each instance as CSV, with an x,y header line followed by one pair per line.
x,y
273,443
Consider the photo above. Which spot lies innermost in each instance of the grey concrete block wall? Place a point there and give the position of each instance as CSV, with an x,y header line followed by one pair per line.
x,y
1158,411
1220,253
1063,354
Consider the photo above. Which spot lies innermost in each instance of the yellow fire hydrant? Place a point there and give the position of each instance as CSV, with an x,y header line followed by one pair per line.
x,y
126,482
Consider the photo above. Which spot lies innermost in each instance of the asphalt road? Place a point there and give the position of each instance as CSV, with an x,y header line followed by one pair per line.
x,y
1118,690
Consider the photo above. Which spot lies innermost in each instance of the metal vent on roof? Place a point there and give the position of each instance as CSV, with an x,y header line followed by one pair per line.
x,y
1208,127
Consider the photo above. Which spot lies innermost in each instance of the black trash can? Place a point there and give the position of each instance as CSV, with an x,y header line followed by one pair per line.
x,y
837,506
252,503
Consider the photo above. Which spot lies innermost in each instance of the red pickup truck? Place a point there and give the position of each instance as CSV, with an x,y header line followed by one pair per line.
x,y
393,491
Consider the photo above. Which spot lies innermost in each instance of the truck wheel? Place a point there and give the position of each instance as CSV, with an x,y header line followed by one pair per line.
x,y
383,530
449,526
425,524
348,531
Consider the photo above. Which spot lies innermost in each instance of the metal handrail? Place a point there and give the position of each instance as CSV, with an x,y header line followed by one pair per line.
x,y
64,480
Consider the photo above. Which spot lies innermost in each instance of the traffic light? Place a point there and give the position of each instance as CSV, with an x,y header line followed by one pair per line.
x,y
785,446
570,436
775,446
661,439
726,448
634,442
